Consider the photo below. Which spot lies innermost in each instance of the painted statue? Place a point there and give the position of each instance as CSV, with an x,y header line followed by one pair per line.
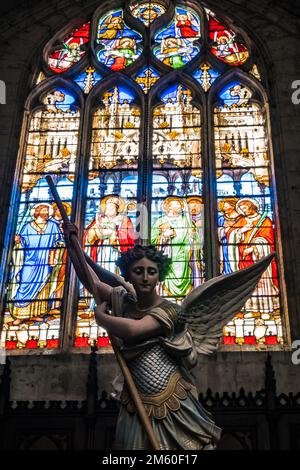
x,y
160,341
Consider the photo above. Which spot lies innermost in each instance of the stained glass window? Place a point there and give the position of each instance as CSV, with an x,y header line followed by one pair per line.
x,y
147,11
140,153
88,79
40,78
70,50
38,264
225,45
146,78
176,42
111,205
246,215
206,76
255,72
120,45
177,205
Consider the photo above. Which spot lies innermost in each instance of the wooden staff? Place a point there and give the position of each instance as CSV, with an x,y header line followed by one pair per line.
x,y
90,285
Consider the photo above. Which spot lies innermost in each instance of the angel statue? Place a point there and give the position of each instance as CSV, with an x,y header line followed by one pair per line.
x,y
159,340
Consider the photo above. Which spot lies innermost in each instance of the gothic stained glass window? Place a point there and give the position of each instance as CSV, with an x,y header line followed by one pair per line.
x,y
225,45
111,207
206,76
88,79
128,137
120,45
176,42
147,11
37,272
246,216
177,205
146,78
68,52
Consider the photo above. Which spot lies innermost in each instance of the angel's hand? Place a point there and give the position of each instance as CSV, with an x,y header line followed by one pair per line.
x,y
100,310
69,230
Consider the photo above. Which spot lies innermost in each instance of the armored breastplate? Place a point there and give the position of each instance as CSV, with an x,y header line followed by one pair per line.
x,y
152,370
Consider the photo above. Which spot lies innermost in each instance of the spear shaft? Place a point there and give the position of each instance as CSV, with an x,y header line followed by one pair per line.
x,y
90,285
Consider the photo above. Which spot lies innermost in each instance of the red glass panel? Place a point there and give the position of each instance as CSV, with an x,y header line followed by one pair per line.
x,y
82,342
52,343
32,344
225,47
68,52
103,342
229,339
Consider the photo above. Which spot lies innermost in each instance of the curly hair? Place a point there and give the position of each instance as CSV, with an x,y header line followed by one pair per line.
x,y
138,252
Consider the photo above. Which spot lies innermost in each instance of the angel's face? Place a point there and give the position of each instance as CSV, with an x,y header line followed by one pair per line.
x,y
144,275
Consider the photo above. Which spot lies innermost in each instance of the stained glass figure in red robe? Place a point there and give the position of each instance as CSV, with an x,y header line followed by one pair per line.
x,y
70,51
225,45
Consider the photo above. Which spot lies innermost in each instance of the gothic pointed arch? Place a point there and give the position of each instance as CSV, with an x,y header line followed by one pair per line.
x,y
153,119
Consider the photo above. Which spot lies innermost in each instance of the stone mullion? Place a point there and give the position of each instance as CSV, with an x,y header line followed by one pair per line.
x,y
210,196
145,165
71,292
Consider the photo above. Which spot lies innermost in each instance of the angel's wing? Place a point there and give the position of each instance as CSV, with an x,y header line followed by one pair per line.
x,y
208,308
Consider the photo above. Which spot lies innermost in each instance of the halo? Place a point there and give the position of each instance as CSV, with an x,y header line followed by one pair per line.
x,y
35,206
116,199
228,200
131,206
198,200
248,199
67,206
169,199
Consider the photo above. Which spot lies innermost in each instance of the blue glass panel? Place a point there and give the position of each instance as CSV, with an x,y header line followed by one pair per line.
x,y
146,78
120,43
235,94
88,79
176,42
206,76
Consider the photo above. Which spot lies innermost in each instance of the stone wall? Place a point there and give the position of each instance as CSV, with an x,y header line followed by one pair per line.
x,y
64,377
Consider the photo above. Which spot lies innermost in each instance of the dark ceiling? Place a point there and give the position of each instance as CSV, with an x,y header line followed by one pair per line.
x,y
290,6
10,5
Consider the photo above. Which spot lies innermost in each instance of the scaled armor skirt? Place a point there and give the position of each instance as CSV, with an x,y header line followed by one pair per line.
x,y
179,421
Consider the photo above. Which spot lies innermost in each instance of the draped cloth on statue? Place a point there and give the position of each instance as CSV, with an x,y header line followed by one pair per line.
x,y
159,367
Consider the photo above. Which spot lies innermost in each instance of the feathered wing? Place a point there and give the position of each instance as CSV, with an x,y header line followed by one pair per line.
x,y
208,308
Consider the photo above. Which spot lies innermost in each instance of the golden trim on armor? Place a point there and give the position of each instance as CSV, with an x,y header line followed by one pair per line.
x,y
168,400
193,444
